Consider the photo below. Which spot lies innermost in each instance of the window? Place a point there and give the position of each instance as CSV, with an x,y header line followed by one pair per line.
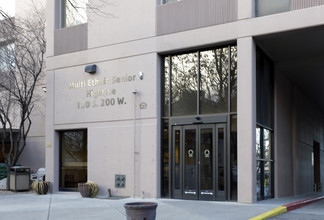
x,y
264,128
202,82
169,1
7,57
73,159
73,12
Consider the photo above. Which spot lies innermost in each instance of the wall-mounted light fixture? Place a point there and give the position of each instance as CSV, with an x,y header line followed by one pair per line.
x,y
44,89
91,69
141,75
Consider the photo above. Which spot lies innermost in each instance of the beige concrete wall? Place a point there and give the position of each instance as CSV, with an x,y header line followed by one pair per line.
x,y
192,14
109,119
122,21
283,154
309,128
298,123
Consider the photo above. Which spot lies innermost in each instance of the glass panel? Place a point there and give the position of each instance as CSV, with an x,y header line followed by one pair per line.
x,y
267,179
73,158
221,157
233,159
264,86
74,12
267,144
259,172
165,160
177,160
206,153
7,57
214,81
166,86
258,143
184,84
169,1
266,7
190,168
233,79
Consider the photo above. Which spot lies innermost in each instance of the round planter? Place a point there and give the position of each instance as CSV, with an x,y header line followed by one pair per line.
x,y
141,210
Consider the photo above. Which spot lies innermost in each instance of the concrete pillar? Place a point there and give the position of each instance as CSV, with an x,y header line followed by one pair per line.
x,y
246,9
246,123
52,143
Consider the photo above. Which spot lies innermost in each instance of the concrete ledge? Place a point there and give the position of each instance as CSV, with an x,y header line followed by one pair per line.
x,y
287,208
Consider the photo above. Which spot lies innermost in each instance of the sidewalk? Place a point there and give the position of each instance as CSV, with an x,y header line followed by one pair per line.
x,y
70,205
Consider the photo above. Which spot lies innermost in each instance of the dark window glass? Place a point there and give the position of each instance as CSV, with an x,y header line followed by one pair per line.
x,y
73,158
165,160
214,81
206,167
259,179
190,166
184,84
177,159
264,81
264,163
221,157
233,75
267,179
264,145
233,157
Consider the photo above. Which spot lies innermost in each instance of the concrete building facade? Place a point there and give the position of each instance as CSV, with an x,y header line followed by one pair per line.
x,y
193,99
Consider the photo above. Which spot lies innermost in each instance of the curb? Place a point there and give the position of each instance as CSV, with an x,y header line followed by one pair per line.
x,y
287,208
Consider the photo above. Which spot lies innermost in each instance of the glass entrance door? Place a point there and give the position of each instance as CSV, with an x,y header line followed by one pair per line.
x,y
198,165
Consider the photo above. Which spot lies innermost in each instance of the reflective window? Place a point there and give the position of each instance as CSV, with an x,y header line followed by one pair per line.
x,y
73,158
73,12
264,163
209,76
7,57
233,78
214,81
169,1
184,78
166,86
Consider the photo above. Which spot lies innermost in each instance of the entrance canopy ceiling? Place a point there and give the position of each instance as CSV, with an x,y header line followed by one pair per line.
x,y
299,55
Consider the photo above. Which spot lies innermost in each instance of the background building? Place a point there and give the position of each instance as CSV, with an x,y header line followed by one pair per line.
x,y
193,99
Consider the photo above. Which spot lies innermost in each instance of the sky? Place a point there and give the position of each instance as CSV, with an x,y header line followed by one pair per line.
x,y
8,6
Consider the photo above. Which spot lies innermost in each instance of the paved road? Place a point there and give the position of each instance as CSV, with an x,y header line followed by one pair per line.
x,y
313,211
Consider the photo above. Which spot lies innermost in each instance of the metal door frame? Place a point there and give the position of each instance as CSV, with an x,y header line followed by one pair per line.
x,y
180,193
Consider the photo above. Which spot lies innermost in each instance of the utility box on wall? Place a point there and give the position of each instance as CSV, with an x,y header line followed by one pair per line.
x,y
19,178
120,181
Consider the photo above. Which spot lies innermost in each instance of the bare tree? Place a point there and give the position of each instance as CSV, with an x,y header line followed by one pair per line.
x,y
22,68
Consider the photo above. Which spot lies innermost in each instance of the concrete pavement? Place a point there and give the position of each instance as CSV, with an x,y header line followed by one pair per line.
x,y
70,205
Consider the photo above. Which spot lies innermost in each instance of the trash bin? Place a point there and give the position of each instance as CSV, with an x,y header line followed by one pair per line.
x,y
3,171
141,210
19,178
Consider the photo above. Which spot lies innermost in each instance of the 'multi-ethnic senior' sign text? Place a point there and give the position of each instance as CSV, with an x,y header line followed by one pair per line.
x,y
101,92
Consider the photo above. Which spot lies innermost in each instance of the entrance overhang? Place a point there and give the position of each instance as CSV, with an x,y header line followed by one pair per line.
x,y
299,54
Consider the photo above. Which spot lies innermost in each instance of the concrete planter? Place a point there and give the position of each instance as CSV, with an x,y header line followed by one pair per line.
x,y
141,210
